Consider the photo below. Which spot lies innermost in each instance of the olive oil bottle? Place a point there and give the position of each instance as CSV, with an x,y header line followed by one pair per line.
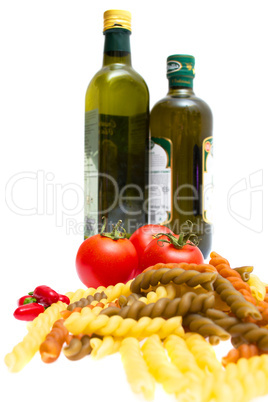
x,y
181,156
116,134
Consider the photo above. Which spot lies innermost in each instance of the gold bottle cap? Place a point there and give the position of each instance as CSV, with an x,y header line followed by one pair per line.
x,y
117,19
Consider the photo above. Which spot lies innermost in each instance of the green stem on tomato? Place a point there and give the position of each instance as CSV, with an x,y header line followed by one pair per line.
x,y
183,239
115,234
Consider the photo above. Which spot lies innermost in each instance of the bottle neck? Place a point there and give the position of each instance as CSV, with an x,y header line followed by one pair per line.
x,y
180,82
180,91
117,47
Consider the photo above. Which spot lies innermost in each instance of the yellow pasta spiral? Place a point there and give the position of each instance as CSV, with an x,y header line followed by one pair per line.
x,y
87,322
203,352
247,379
112,292
24,351
137,372
104,347
185,362
160,292
164,371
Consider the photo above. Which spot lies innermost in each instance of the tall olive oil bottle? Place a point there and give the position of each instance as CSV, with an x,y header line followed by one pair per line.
x,y
181,156
116,134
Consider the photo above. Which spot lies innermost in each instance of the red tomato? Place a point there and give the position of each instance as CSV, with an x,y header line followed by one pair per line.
x,y
144,235
102,261
166,253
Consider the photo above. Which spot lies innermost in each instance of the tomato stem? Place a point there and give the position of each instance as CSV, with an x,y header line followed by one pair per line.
x,y
179,242
115,234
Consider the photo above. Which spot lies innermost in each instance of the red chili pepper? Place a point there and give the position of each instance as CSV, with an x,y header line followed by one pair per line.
x,y
45,295
26,300
28,312
64,299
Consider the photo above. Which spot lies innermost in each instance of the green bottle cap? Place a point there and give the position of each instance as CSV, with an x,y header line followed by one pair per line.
x,y
180,70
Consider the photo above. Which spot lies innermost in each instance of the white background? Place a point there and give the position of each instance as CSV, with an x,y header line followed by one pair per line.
x,y
49,52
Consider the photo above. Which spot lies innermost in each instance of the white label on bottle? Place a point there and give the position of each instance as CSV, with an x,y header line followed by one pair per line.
x,y
91,172
160,181
208,179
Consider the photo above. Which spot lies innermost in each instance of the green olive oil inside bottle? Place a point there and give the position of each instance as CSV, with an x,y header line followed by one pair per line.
x,y
116,135
181,156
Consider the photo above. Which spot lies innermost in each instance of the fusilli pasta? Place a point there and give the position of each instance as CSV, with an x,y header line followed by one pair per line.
x,y
87,322
164,307
176,275
244,350
238,304
24,351
50,349
104,347
78,348
137,372
161,368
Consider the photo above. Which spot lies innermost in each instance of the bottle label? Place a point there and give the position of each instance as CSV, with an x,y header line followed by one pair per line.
x,y
91,169
207,179
115,170
160,181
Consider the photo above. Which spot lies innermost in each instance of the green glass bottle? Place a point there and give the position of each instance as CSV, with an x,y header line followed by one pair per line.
x,y
116,135
181,156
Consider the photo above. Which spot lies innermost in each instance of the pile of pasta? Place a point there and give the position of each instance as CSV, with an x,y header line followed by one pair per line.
x,y
164,323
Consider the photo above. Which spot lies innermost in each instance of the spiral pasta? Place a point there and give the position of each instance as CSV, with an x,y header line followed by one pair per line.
x,y
87,322
252,376
24,351
164,371
224,269
85,301
97,308
221,390
112,292
176,275
205,327
164,307
245,350
160,292
183,265
104,347
168,291
216,259
245,332
156,310
239,306
203,353
181,356
50,349
77,295
137,372
127,300
78,348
